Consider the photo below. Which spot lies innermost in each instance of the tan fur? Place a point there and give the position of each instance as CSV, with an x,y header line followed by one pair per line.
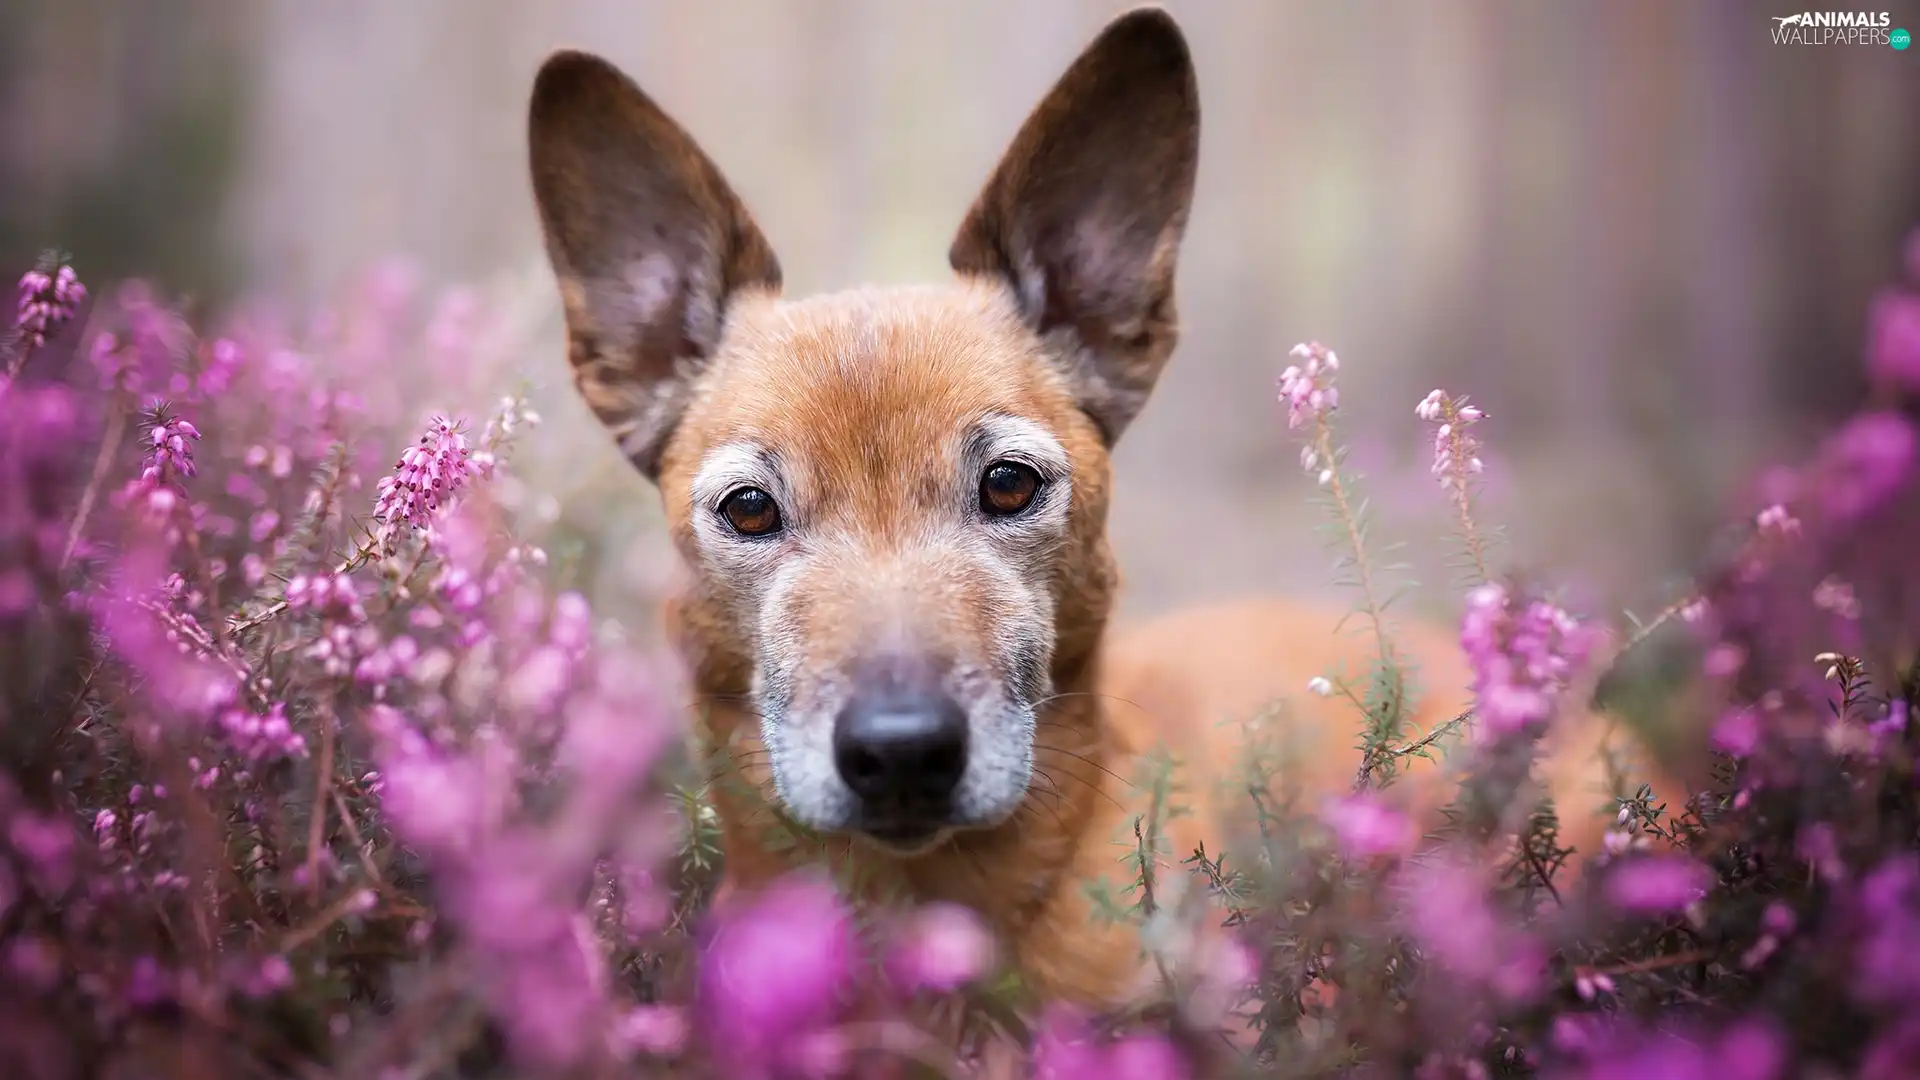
x,y
858,406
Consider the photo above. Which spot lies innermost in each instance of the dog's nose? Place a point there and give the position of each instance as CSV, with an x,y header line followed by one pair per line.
x,y
902,752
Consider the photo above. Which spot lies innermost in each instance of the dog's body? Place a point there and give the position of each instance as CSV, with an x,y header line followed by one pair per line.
x,y
894,504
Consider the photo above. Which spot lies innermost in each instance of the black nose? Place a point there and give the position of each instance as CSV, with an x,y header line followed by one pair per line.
x,y
903,754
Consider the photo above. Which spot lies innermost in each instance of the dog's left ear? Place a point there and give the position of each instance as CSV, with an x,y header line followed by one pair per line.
x,y
1084,214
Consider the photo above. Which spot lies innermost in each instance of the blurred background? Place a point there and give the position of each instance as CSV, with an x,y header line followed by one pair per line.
x,y
1641,234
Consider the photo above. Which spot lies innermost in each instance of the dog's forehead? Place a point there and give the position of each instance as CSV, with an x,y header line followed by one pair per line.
x,y
855,388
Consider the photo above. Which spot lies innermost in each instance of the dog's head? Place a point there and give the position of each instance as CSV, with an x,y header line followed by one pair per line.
x,y
893,501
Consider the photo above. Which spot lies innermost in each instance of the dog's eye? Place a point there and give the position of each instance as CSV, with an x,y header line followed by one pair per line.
x,y
751,512
1007,488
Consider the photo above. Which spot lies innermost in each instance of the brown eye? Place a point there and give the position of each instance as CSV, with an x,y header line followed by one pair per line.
x,y
1007,488
751,512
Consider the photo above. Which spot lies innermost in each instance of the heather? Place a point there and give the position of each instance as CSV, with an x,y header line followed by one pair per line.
x,y
313,767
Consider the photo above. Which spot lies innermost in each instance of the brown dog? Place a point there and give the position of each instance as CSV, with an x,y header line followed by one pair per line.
x,y
894,505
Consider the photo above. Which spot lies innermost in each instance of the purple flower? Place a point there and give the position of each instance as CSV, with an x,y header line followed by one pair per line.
x,y
550,1001
435,802
1445,909
1065,1048
776,970
259,737
940,947
169,456
45,845
1307,388
146,984
1865,462
1456,453
34,962
1523,654
1145,1057
1738,732
660,1030
47,302
1747,1050
1893,340
1887,959
1365,827
427,477
1657,884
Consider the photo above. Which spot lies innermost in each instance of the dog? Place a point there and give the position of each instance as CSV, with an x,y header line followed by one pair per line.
x,y
893,505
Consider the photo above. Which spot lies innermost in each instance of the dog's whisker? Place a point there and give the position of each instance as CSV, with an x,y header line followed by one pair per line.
x,y
1091,785
1082,757
1064,694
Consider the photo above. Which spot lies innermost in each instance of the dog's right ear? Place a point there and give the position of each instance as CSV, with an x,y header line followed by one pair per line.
x,y
647,239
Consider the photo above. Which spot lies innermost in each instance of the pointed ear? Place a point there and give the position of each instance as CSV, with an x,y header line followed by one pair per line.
x,y
647,239
1084,214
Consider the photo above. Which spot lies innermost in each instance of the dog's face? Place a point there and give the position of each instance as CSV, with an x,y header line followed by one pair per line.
x,y
893,501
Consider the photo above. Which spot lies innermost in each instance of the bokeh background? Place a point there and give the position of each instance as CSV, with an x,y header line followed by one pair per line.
x,y
1640,233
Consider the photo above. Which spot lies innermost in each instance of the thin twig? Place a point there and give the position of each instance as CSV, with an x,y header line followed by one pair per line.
x,y
323,787
353,835
109,447
1658,963
354,562
1363,567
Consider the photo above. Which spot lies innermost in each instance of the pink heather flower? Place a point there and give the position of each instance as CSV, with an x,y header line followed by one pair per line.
x,y
775,971
169,455
1456,453
1723,661
45,845
1746,1050
1307,388
34,962
1445,909
1738,733
1887,909
47,302
436,803
548,996
1145,1057
572,628
1776,521
1365,827
1523,654
266,978
1893,340
325,594
1592,984
940,948
257,738
1064,1047
1837,597
1821,849
660,1030
1228,973
1657,884
1865,462
538,684
427,477
645,907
